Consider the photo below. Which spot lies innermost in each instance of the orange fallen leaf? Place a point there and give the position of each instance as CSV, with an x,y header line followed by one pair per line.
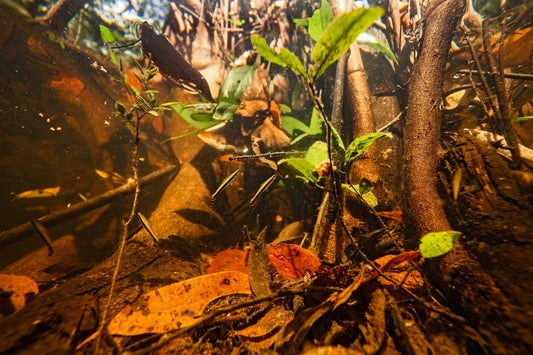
x,y
21,286
68,86
157,124
293,262
390,261
230,260
396,215
178,305
410,279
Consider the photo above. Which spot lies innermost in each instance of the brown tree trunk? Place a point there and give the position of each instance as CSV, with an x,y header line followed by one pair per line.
x,y
422,129
357,95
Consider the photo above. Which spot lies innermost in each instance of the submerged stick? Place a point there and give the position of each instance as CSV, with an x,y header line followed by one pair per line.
x,y
25,230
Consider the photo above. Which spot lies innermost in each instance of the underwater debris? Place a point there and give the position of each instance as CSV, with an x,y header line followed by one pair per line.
x,y
43,233
47,192
171,63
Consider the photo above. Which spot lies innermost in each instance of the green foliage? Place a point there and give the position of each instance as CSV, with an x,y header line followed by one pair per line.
x,y
106,35
376,43
522,119
361,144
300,168
291,125
363,190
283,58
438,243
339,36
199,115
320,21
231,91
337,142
317,153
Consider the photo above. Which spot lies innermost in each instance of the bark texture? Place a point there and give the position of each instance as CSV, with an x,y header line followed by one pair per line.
x,y
422,131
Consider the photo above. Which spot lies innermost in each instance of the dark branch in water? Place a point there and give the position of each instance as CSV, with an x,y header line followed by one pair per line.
x,y
24,230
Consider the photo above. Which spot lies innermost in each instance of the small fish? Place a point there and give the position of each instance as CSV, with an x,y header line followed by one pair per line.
x,y
224,184
47,192
146,224
264,186
114,177
456,182
43,232
171,63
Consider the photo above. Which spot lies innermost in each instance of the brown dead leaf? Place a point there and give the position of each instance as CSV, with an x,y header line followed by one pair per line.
x,y
332,350
261,335
292,262
230,260
21,287
69,87
396,215
294,332
397,268
177,305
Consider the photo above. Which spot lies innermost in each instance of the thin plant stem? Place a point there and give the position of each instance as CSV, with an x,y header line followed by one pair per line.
x,y
124,234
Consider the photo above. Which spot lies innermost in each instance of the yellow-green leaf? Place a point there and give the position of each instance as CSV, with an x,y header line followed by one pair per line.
x,y
438,243
339,36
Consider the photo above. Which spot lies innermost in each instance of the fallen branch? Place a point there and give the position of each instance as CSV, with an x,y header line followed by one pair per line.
x,y
25,230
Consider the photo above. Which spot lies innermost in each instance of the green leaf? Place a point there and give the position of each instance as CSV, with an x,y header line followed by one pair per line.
x,y
376,43
359,145
365,186
315,124
320,21
199,115
231,91
106,34
291,124
113,57
135,90
138,108
301,22
317,153
283,58
144,101
299,167
364,192
120,108
153,113
339,36
337,142
438,243
522,119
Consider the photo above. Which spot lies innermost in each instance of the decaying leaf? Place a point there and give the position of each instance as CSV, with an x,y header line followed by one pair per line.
x,y
397,268
373,330
20,289
261,335
295,332
230,260
177,305
39,193
293,262
396,215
